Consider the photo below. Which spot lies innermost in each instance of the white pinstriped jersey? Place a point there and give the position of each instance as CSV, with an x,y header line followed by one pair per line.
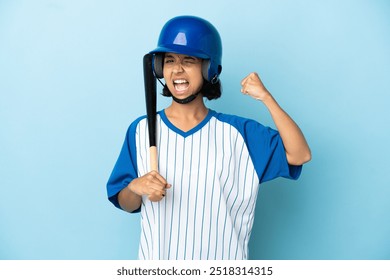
x,y
215,170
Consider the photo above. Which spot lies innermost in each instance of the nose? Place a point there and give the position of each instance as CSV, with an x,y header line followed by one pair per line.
x,y
178,67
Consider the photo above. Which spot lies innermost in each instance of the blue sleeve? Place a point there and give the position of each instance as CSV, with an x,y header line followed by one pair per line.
x,y
125,169
267,152
265,147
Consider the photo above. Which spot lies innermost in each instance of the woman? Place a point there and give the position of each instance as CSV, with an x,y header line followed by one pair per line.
x,y
200,204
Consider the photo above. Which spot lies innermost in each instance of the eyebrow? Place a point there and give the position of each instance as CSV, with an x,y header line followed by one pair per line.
x,y
191,57
185,57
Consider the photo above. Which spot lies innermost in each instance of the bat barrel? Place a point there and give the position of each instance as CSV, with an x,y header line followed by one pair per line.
x,y
150,97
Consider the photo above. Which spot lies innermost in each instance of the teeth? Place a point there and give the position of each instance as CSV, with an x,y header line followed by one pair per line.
x,y
180,85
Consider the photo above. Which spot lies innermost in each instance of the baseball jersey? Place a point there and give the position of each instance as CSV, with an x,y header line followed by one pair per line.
x,y
215,170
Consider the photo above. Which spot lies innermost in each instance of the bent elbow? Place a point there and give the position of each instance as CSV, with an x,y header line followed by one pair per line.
x,y
306,158
299,160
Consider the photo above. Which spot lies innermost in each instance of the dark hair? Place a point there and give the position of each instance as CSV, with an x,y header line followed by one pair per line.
x,y
208,90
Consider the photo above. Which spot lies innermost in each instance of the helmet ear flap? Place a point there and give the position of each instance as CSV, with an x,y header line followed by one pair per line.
x,y
205,72
158,63
205,69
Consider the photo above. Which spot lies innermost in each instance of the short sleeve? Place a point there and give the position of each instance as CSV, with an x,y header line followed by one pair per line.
x,y
265,148
268,153
125,169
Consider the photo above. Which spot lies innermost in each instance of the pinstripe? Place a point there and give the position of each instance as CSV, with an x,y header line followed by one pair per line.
x,y
238,169
159,203
208,213
220,193
142,136
233,179
141,247
251,215
213,186
245,234
188,199
165,200
146,161
225,184
180,201
153,215
196,196
205,191
145,217
239,207
173,201
159,228
234,201
214,169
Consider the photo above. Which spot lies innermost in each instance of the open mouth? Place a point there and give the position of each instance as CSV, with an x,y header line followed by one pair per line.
x,y
180,85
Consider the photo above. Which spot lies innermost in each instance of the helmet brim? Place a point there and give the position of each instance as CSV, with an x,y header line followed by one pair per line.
x,y
180,49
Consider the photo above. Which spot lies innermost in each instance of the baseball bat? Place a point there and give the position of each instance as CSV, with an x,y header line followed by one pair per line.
x,y
150,99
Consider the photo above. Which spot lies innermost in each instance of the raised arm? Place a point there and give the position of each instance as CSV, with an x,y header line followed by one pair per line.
x,y
297,149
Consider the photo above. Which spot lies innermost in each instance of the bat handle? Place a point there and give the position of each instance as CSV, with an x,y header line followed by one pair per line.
x,y
153,158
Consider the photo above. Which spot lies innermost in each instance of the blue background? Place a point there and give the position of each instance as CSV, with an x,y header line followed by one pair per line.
x,y
71,82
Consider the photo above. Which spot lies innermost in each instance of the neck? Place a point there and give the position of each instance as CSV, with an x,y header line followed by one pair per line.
x,y
187,116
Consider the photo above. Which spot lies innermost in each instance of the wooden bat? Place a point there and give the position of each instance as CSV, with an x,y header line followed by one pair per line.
x,y
150,99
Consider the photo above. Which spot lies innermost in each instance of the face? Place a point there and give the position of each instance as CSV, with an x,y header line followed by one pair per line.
x,y
182,74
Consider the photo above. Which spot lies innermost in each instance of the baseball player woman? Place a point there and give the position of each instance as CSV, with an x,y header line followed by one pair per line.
x,y
201,202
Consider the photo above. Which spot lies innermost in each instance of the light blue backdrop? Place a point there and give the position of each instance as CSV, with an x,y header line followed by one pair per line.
x,y
71,83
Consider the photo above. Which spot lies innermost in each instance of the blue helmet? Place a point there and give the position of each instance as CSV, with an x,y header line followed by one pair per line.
x,y
192,36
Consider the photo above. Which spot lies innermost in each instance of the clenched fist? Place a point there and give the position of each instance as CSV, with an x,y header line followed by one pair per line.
x,y
151,184
254,87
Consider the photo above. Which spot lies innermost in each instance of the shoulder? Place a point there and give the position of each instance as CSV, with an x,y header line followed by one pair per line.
x,y
140,124
238,122
136,122
251,130
228,118
134,127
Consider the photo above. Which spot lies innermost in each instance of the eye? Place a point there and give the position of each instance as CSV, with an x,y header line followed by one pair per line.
x,y
168,60
190,60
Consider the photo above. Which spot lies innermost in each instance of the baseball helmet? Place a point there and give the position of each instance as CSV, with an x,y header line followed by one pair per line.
x,y
191,36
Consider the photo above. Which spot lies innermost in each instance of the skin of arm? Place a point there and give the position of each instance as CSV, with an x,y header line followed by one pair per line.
x,y
297,149
151,184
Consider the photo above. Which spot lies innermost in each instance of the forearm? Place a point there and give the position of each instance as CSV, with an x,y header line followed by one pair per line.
x,y
152,185
128,200
297,149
